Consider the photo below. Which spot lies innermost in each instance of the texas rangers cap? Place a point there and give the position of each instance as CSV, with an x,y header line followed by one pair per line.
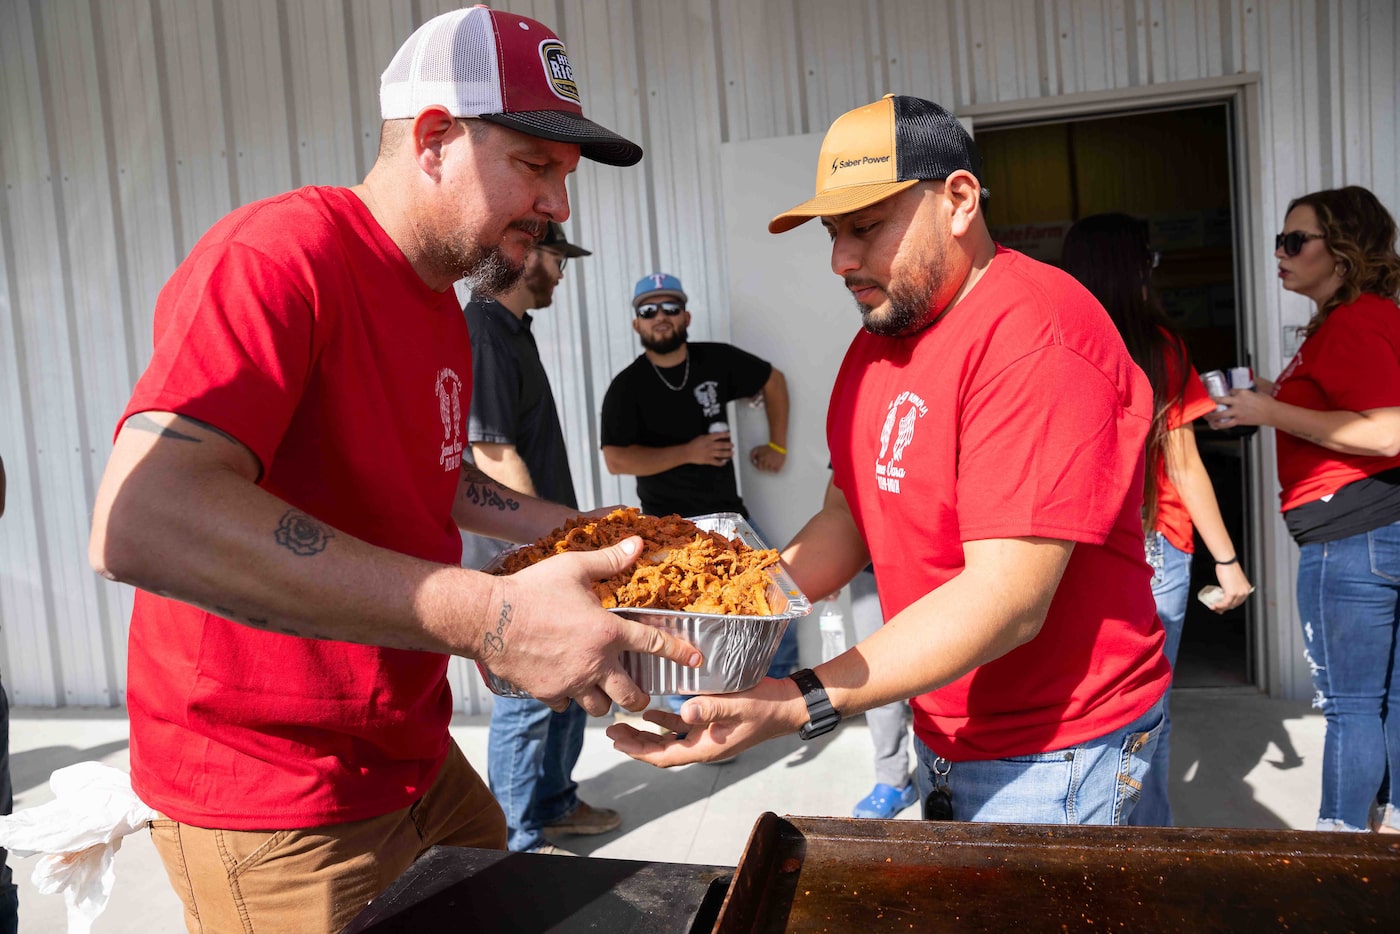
x,y
503,68
656,284
879,150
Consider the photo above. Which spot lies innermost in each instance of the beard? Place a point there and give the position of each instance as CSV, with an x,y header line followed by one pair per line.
x,y
486,268
910,295
539,283
664,345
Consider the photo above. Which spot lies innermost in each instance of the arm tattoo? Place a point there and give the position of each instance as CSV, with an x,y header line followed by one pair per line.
x,y
143,422
481,490
208,427
495,642
302,535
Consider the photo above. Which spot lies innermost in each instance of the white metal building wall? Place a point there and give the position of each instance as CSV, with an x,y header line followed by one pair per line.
x,y
127,127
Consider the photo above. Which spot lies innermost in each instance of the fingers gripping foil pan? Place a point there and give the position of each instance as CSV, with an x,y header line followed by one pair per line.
x,y
737,649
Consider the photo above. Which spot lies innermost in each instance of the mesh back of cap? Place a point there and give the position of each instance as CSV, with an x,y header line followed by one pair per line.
x,y
450,61
932,143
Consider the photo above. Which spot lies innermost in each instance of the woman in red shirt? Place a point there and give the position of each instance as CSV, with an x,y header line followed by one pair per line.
x,y
1109,254
1337,410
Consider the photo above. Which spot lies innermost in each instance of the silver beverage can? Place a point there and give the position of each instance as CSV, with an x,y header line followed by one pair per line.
x,y
1216,385
1241,377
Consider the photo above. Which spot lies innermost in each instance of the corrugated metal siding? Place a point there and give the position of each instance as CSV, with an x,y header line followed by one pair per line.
x,y
128,127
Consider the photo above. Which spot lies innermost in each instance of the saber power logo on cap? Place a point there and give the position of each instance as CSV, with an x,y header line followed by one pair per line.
x,y
558,70
838,163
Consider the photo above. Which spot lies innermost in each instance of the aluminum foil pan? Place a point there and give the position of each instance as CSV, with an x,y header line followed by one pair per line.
x,y
737,649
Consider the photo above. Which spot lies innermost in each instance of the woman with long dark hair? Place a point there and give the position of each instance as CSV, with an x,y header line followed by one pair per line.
x,y
1109,254
1337,411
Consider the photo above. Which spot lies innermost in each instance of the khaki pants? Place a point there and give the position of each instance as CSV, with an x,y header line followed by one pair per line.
x,y
317,879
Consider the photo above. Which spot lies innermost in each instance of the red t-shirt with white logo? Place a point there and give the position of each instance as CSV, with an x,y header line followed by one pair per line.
x,y
298,327
1352,362
1173,521
1020,413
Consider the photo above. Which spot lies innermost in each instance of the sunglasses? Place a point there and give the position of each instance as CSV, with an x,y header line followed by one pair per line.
x,y
652,309
1291,243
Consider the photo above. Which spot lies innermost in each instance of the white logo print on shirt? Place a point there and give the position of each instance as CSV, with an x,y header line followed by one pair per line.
x,y
707,394
449,394
888,473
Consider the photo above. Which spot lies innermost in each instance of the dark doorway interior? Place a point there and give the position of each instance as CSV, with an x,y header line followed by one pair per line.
x,y
1173,169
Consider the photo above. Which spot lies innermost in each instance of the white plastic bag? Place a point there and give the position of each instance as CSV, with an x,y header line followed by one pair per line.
x,y
77,834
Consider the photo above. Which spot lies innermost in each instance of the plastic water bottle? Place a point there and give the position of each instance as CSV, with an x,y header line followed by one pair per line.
x,y
833,629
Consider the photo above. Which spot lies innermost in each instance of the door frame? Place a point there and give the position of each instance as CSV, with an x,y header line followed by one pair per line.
x,y
1274,642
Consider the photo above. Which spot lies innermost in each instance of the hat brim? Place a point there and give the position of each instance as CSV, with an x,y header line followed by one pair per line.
x,y
595,142
838,201
650,296
565,249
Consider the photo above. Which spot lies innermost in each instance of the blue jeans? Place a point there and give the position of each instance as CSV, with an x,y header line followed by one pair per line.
x,y
1171,588
1095,782
9,892
1349,603
531,752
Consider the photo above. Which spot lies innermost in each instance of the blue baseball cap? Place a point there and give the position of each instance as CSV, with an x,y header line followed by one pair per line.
x,y
658,283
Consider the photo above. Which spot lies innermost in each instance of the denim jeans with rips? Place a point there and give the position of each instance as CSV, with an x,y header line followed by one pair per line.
x,y
1171,588
1349,604
1094,782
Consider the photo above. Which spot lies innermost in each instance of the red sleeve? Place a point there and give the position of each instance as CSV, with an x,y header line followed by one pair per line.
x,y
1047,449
233,348
1359,364
1195,402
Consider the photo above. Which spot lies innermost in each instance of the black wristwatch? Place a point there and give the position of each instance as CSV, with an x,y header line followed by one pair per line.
x,y
821,716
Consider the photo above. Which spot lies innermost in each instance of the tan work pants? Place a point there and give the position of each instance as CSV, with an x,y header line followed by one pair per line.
x,y
318,879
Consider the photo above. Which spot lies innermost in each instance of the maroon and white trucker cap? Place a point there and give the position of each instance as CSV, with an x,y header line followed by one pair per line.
x,y
479,62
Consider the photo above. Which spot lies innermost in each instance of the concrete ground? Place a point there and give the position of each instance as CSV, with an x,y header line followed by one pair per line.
x,y
1239,760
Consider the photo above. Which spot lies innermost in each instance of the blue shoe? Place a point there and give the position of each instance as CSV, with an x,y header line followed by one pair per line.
x,y
886,801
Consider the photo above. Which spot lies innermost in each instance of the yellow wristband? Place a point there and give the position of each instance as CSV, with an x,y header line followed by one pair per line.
x,y
778,447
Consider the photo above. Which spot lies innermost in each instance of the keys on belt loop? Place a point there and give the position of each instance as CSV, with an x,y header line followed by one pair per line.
x,y
939,803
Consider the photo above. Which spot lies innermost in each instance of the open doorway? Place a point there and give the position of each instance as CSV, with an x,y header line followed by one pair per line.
x,y
1173,168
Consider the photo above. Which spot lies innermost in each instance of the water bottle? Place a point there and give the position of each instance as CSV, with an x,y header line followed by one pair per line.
x,y
833,629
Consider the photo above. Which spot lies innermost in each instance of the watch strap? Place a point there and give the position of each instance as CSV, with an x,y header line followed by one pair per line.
x,y
822,717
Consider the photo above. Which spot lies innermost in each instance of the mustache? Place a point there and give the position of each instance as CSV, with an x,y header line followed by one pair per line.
x,y
854,283
536,229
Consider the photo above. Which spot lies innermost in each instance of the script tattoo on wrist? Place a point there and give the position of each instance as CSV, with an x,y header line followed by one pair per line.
x,y
302,535
495,642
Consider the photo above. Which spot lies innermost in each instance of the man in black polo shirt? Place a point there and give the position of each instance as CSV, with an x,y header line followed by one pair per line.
x,y
516,439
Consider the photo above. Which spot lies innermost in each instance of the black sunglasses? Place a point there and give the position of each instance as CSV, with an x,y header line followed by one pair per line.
x,y
652,309
1292,242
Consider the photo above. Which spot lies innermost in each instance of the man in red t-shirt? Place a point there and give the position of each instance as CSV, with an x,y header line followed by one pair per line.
x,y
286,486
986,432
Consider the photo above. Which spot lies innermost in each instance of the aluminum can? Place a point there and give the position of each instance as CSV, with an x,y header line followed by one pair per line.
x,y
1241,377
1216,385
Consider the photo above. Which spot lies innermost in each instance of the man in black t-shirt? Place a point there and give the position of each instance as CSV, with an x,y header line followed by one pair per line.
x,y
516,439
664,418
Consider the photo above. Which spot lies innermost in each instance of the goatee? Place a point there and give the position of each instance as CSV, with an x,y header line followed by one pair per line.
x,y
489,271
665,345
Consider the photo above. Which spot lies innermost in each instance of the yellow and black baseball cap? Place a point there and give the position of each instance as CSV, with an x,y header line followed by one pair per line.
x,y
879,150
